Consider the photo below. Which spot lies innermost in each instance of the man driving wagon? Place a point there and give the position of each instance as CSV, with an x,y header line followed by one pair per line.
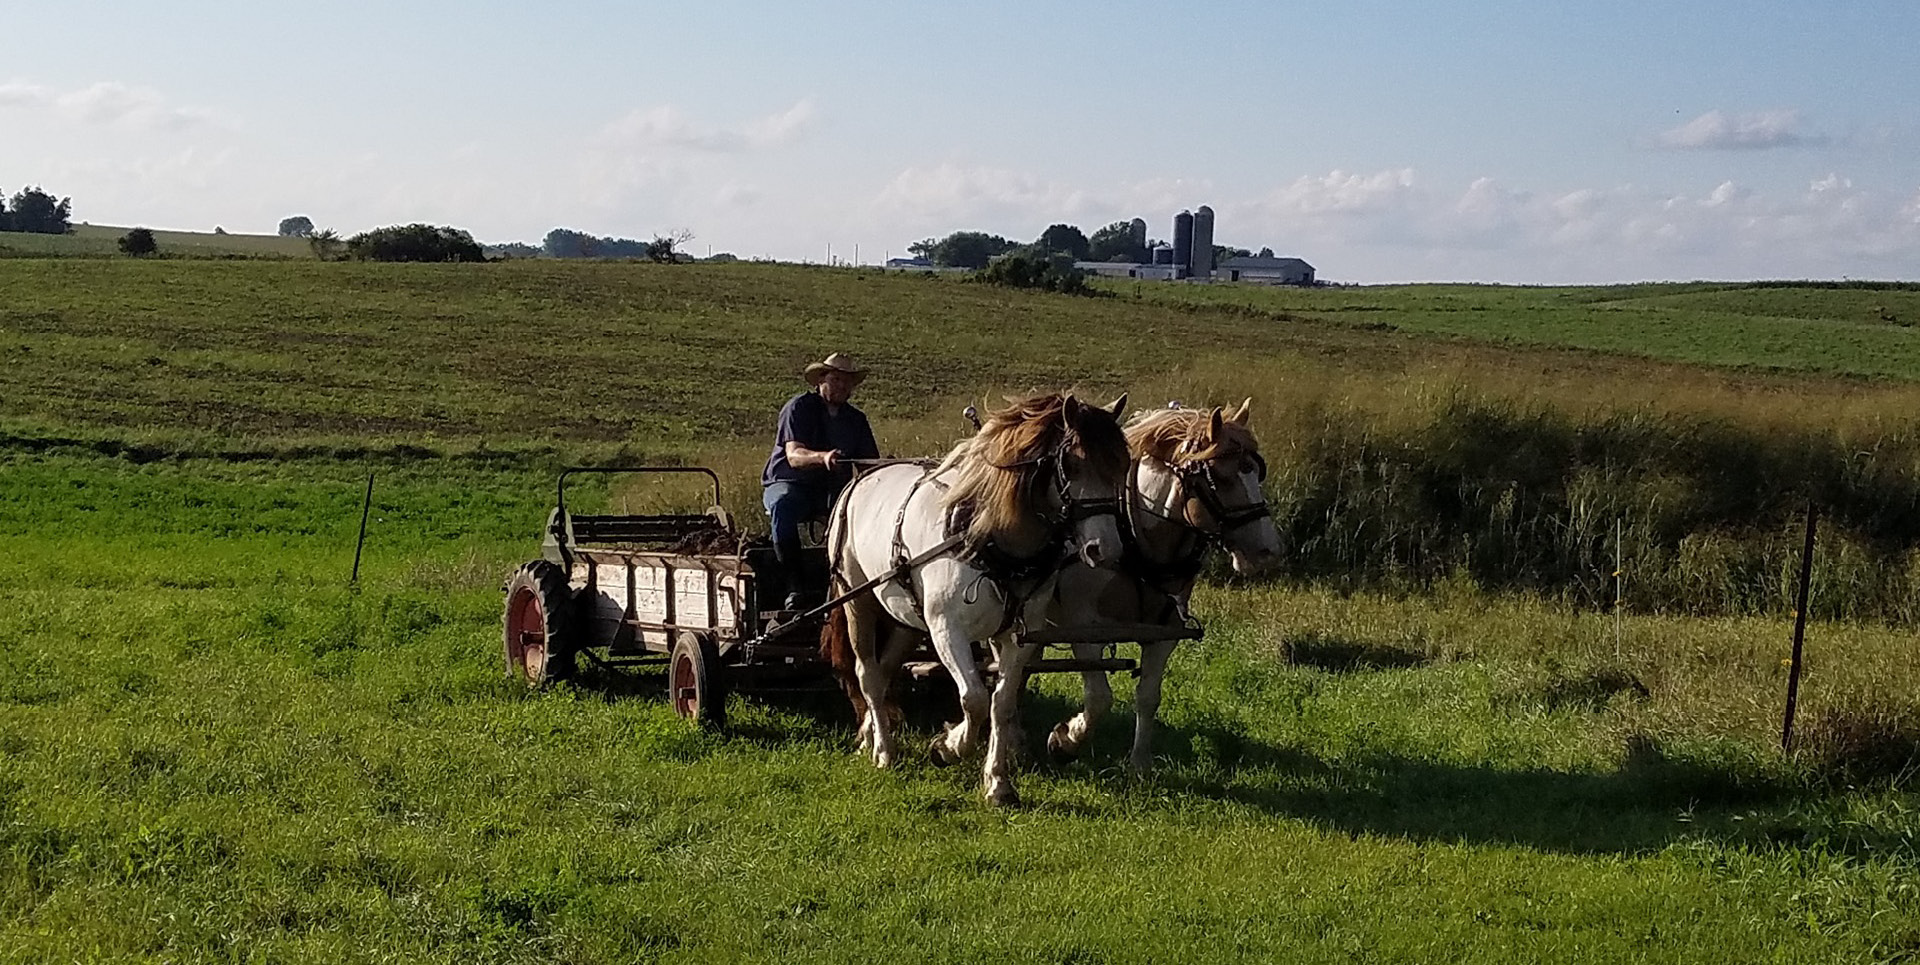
x,y
818,431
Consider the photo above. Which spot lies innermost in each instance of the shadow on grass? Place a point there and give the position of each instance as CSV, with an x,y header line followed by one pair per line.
x,y
1656,797
1336,654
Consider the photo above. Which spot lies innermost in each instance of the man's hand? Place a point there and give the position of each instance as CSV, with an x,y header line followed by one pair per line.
x,y
830,460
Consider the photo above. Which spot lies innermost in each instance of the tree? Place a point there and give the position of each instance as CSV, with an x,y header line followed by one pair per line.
x,y
6,220
298,226
1064,238
1115,243
1223,252
36,211
970,249
665,248
568,243
1266,252
138,243
414,242
1033,268
924,248
325,244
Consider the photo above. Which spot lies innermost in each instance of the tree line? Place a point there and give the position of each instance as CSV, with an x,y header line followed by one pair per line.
x,y
1114,242
36,212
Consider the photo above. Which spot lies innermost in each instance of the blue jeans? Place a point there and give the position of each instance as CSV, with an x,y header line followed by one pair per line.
x,y
790,504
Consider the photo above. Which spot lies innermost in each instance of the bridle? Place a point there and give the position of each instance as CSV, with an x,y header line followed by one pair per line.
x,y
1199,482
1072,509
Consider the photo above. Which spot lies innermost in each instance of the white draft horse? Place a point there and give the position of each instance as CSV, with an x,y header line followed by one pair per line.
x,y
1039,480
1195,481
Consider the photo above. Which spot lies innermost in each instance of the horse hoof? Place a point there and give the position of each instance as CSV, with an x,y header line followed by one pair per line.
x,y
1058,749
1004,796
937,752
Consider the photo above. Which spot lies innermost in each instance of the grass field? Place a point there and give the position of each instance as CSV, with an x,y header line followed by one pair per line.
x,y
216,750
103,241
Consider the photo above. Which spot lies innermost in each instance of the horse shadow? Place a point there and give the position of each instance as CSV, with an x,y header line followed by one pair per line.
x,y
1656,797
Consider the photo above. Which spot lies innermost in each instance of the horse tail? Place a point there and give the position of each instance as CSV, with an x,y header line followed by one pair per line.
x,y
836,648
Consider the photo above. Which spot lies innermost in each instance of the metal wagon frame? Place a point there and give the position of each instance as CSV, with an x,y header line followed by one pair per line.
x,y
627,592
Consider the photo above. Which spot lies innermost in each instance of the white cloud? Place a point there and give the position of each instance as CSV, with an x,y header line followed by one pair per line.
x,y
1382,227
1719,131
112,104
667,126
736,195
1345,195
992,199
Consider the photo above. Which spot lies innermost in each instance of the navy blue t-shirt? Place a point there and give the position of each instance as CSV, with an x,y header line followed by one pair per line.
x,y
805,419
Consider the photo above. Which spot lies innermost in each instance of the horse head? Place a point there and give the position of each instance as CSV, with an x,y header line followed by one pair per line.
x,y
1092,467
1217,462
1042,469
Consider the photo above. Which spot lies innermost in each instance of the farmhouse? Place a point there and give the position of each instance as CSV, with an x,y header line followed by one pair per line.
x,y
1267,271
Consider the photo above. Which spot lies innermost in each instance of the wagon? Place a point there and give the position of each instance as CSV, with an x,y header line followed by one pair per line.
x,y
683,593
676,591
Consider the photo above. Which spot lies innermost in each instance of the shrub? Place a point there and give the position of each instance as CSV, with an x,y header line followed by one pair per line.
x,y
1030,268
138,242
414,242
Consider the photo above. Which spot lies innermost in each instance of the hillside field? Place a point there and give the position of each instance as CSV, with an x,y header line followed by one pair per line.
x,y
1430,744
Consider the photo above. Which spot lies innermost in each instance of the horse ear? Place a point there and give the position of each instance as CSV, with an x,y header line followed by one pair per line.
x,y
1119,405
1213,424
1240,418
1069,409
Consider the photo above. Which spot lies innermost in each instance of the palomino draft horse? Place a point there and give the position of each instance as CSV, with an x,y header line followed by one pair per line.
x,y
1039,480
1195,481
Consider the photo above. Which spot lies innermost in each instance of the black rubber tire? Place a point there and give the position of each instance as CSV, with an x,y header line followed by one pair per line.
x,y
537,624
696,682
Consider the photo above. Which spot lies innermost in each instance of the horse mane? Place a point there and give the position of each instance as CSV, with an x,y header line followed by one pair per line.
x,y
1180,436
993,471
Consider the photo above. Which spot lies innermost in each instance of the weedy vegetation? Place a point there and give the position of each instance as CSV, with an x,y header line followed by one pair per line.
x,y
1432,738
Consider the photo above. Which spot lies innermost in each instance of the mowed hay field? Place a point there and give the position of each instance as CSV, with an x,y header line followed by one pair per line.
x,y
1425,742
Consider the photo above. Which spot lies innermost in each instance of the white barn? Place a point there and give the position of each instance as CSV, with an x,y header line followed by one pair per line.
x,y
1265,271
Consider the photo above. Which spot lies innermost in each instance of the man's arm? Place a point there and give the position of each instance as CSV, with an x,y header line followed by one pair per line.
x,y
801,457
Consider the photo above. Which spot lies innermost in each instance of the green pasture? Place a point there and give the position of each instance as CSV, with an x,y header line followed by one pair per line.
x,y
213,748
100,241
1860,329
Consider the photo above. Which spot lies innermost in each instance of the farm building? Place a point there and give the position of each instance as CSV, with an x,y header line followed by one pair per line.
x,y
1266,271
1126,269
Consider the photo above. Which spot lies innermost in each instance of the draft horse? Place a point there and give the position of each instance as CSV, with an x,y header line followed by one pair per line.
x,y
1195,482
1038,484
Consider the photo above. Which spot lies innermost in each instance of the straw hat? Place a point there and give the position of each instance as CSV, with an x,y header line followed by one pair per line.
x,y
837,362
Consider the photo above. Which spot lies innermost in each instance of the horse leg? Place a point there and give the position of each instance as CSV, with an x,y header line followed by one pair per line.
x,y
956,652
1146,703
1070,737
1003,742
863,625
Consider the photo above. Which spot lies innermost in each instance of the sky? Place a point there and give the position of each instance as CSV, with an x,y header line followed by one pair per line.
x,y
1507,141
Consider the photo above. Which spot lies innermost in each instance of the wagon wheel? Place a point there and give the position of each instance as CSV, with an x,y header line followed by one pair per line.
x,y
538,641
696,682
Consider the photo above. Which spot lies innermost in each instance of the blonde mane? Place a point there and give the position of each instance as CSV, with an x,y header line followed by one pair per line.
x,y
993,471
1180,436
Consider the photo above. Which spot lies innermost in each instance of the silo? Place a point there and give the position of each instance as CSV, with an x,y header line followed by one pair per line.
x,y
1161,255
1139,227
1202,264
1182,243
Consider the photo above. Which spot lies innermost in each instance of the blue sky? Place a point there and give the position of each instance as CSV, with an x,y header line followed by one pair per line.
x,y
1479,140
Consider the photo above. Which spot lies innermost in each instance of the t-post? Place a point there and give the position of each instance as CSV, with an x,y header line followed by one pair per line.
x,y
1799,629
366,507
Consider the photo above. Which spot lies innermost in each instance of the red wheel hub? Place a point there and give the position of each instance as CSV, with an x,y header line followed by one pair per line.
x,y
527,636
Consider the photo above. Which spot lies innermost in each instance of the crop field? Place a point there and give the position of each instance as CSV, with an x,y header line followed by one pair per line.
x,y
1430,739
100,241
